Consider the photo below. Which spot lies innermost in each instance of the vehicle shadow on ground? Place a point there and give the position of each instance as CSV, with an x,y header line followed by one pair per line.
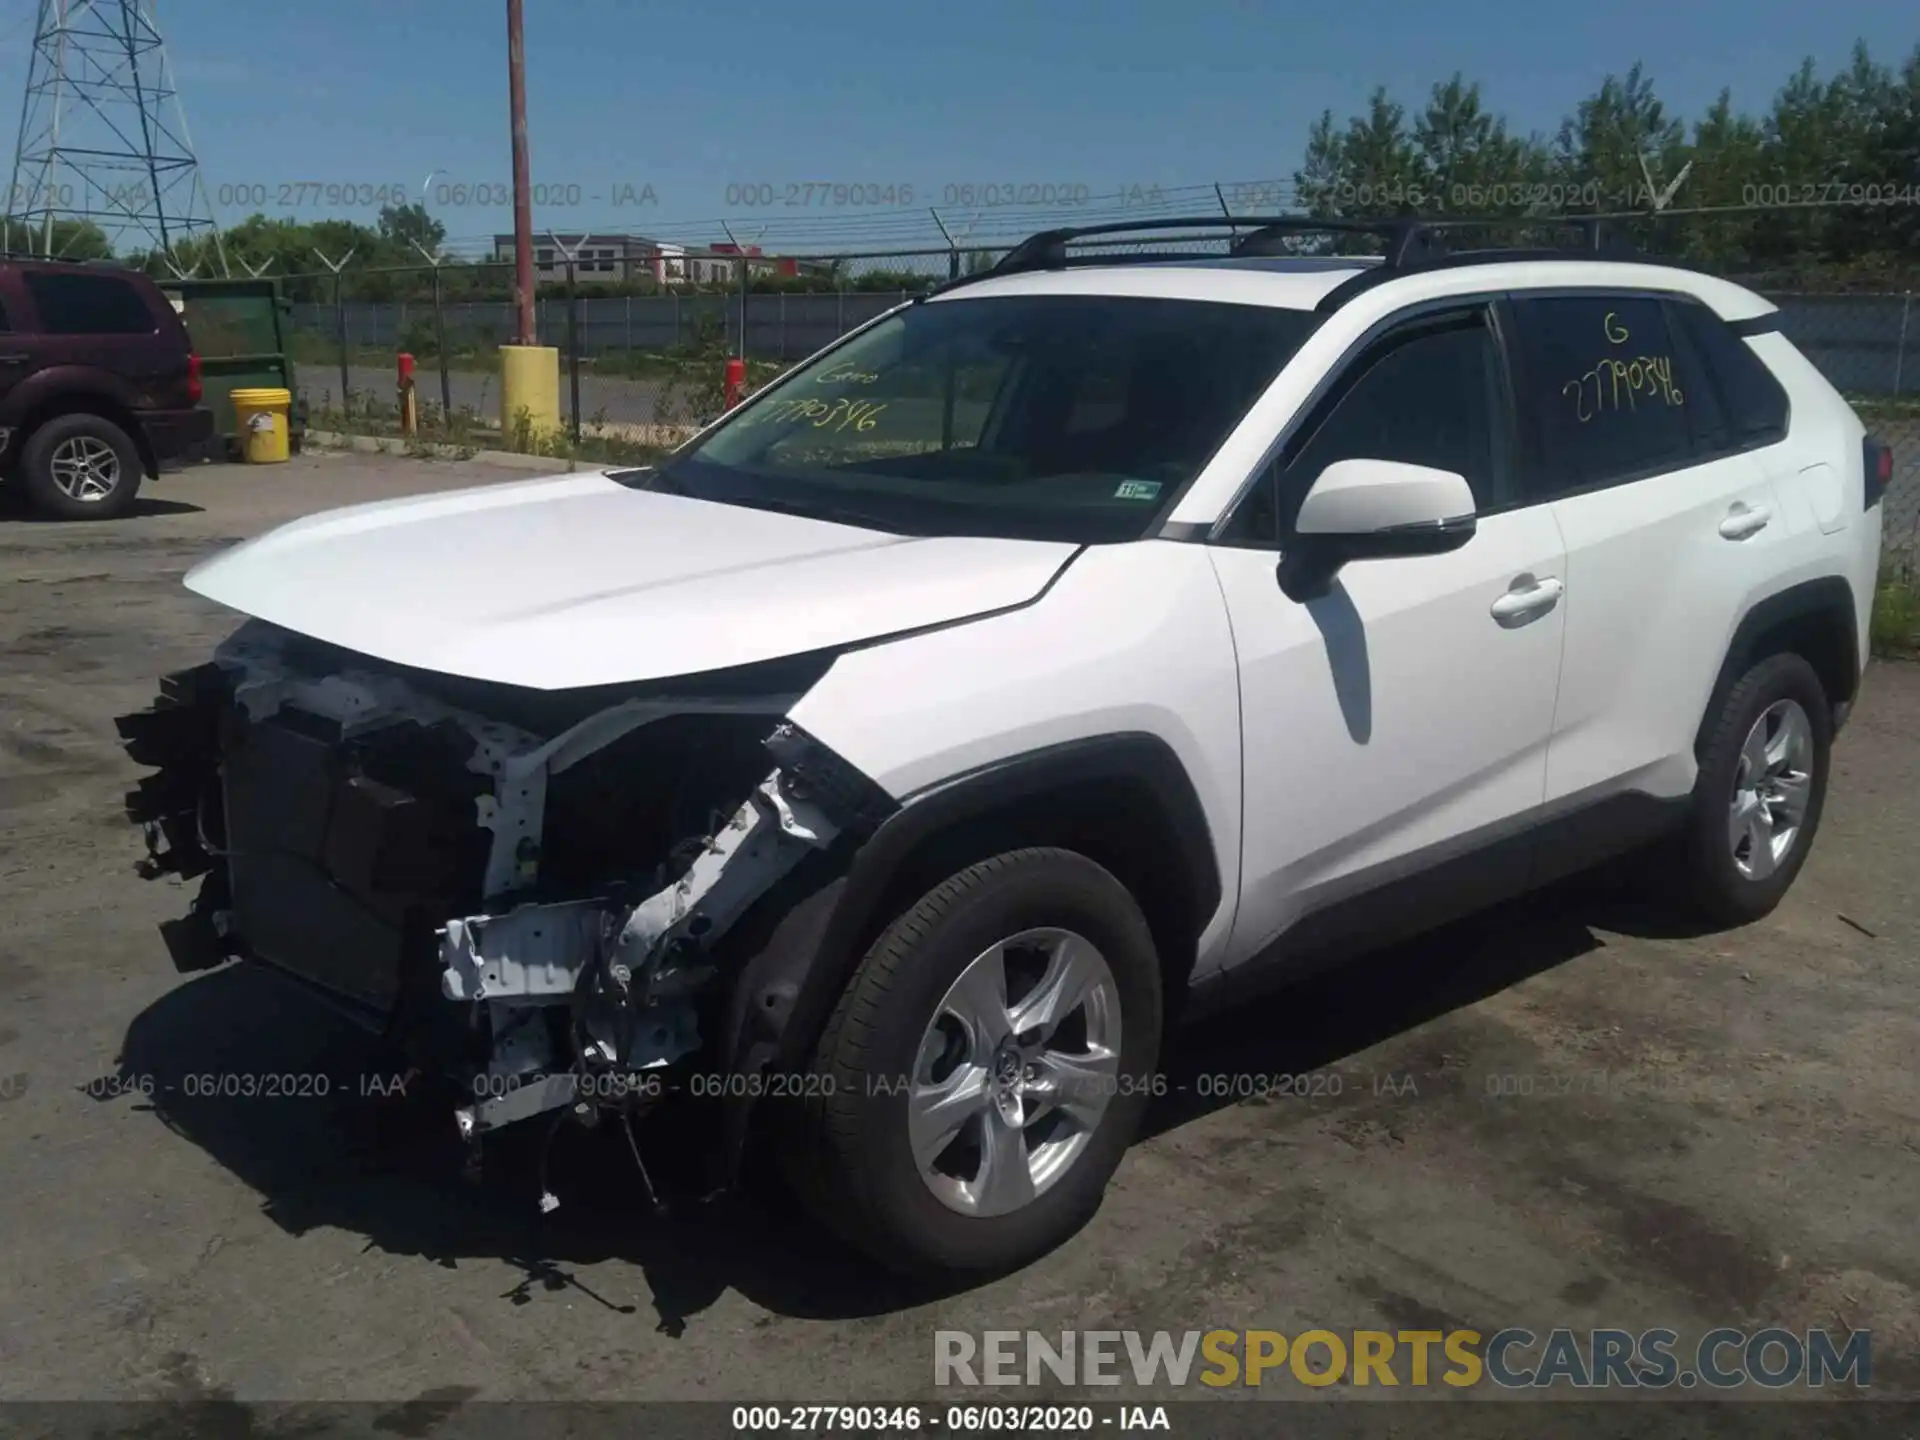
x,y
335,1152
1322,1017
14,507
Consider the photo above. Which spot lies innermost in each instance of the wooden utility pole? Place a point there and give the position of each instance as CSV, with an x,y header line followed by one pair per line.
x,y
522,184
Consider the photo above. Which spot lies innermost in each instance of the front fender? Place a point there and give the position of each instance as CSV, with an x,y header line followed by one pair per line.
x,y
1123,671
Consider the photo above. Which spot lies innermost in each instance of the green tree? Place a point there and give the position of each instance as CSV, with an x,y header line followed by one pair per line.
x,y
68,240
1621,151
1825,179
1367,168
1896,160
1729,158
1466,156
405,226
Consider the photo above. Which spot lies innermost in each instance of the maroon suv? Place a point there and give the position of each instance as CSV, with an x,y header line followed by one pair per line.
x,y
98,385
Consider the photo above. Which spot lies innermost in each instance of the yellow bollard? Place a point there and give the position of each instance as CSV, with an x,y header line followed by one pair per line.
x,y
529,390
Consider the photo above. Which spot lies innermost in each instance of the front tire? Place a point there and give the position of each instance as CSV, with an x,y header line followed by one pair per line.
x,y
985,1069
1761,789
80,467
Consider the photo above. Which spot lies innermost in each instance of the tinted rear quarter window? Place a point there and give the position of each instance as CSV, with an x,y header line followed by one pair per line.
x,y
80,304
1755,403
1609,398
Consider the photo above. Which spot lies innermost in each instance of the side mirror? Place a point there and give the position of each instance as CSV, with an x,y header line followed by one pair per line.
x,y
1373,510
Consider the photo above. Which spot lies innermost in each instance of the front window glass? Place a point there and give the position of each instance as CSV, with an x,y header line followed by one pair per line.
x,y
1072,417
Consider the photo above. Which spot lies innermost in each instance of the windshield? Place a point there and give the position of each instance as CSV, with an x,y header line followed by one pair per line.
x,y
1072,417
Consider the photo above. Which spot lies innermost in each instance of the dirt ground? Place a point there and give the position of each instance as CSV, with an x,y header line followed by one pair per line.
x,y
1750,1158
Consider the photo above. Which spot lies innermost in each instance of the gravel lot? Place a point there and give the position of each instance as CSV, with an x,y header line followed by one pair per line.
x,y
1751,1159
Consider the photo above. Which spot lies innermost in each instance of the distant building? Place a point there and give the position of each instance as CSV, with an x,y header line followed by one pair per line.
x,y
629,257
596,257
693,265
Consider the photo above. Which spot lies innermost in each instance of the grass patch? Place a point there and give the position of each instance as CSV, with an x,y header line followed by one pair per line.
x,y
468,432
1886,407
1895,630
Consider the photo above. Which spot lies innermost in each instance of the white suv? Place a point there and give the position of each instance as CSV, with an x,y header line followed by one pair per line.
x,y
1073,648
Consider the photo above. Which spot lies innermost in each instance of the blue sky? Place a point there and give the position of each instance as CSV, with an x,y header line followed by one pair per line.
x,y
691,99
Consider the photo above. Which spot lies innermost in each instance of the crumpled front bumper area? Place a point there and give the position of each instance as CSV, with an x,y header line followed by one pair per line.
x,y
535,911
327,856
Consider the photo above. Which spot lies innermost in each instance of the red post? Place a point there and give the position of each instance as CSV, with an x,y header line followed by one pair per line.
x,y
522,184
736,380
409,413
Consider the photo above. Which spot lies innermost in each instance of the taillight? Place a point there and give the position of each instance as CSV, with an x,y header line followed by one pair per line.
x,y
1878,469
194,389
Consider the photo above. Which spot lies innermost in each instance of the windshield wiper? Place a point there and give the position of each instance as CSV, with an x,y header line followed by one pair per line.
x,y
648,478
661,481
834,513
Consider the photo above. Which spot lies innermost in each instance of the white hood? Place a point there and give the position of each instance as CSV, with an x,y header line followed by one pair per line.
x,y
578,580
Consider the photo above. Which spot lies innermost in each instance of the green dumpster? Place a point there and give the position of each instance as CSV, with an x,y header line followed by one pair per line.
x,y
239,332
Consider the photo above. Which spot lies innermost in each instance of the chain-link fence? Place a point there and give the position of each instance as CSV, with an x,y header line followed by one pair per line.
x,y
644,342
1900,428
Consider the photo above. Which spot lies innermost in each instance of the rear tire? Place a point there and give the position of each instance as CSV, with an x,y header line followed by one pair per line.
x,y
900,1057
1761,789
80,467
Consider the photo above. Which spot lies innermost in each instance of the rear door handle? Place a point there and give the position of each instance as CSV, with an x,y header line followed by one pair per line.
x,y
1743,521
1526,598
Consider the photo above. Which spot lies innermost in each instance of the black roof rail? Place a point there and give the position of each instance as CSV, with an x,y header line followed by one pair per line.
x,y
1410,244
1597,242
1047,250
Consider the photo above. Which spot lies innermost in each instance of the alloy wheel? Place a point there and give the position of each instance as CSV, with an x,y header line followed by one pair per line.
x,y
1771,789
85,469
1015,1071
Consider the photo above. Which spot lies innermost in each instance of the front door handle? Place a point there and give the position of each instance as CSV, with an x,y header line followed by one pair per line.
x,y
1743,520
1525,599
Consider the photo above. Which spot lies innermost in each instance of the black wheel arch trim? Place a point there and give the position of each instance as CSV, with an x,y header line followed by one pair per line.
x,y
1828,596
785,990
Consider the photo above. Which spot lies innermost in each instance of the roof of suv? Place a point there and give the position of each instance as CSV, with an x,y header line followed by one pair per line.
x,y
1260,266
1304,284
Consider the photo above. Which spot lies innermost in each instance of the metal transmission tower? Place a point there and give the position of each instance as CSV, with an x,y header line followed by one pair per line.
x,y
102,135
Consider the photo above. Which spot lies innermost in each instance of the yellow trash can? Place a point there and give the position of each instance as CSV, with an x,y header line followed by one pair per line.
x,y
263,419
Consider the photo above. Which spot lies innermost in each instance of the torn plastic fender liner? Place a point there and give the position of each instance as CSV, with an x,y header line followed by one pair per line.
x,y
540,954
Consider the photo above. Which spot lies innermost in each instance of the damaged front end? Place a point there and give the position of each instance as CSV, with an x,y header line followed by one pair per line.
x,y
530,890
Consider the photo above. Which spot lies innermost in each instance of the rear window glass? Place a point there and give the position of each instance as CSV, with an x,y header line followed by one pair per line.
x,y
80,304
1608,394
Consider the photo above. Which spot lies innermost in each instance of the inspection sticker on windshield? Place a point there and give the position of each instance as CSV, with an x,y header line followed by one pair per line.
x,y
1137,490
